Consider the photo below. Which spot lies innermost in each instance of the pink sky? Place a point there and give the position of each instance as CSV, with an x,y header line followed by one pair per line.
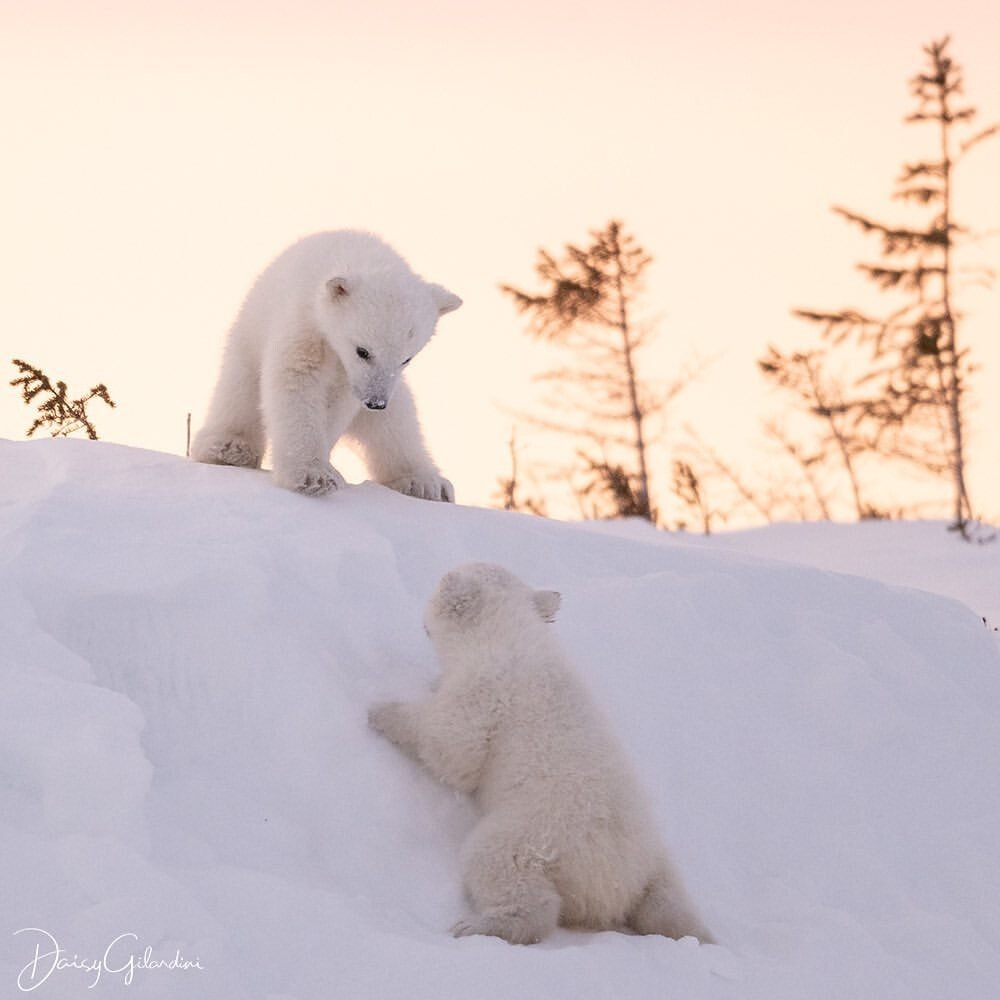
x,y
158,155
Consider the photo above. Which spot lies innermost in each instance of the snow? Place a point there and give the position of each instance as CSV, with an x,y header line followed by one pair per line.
x,y
189,653
919,555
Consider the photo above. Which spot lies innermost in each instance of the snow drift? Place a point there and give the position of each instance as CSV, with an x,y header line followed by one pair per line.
x,y
192,806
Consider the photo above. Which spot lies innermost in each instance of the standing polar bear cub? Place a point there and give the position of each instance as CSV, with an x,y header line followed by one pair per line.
x,y
564,835
317,352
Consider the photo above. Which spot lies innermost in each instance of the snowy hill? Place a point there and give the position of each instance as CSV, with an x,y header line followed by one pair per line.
x,y
188,655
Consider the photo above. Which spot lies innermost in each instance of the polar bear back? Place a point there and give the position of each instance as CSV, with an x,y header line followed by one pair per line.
x,y
550,730
500,659
558,772
286,290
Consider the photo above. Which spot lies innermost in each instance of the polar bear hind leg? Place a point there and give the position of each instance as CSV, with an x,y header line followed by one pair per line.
x,y
506,883
665,909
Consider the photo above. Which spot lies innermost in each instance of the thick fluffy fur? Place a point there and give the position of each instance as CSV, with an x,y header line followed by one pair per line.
x,y
317,352
564,835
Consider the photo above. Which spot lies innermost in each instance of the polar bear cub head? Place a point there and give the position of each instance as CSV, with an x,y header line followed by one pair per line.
x,y
376,322
485,600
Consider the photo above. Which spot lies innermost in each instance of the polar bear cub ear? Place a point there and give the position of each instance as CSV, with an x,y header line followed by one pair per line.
x,y
446,301
547,603
338,288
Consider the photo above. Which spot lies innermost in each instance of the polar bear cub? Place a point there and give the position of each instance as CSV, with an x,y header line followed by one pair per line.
x,y
564,835
317,352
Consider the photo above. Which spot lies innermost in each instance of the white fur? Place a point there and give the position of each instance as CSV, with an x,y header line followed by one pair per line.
x,y
564,835
291,370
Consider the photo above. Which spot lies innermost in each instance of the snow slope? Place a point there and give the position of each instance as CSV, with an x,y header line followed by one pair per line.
x,y
188,655
923,555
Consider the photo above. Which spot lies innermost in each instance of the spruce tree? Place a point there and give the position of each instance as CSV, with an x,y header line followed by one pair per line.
x,y
910,401
585,305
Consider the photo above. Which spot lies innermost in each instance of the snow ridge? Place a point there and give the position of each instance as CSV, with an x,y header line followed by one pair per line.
x,y
186,774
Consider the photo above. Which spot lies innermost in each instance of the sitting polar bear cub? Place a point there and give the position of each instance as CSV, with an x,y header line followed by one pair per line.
x,y
317,351
564,836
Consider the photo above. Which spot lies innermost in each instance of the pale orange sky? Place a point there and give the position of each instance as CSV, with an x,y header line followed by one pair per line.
x,y
158,155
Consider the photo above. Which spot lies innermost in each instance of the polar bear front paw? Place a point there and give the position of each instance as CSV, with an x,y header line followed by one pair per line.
x,y
312,480
226,451
385,717
426,486
395,722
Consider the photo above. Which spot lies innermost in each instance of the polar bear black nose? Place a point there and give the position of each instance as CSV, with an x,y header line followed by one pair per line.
x,y
375,404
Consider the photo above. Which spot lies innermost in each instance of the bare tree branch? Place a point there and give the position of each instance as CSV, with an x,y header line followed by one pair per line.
x,y
62,415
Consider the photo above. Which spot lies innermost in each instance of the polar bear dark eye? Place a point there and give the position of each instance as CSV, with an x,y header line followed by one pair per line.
x,y
364,354
406,362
